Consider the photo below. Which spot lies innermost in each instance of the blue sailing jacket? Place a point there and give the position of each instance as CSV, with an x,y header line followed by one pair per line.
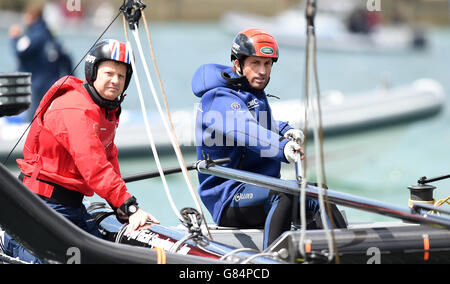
x,y
234,121
40,53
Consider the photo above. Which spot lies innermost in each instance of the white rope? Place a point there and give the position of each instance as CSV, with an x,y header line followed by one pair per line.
x,y
149,134
320,182
313,106
302,211
318,154
165,123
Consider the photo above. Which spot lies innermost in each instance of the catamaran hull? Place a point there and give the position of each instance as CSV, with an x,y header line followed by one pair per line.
x,y
377,243
380,242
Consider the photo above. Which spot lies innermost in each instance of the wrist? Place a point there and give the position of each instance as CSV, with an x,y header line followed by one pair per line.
x,y
296,135
130,206
285,129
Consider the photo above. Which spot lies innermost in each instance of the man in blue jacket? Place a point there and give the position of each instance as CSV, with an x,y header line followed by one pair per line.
x,y
234,120
40,53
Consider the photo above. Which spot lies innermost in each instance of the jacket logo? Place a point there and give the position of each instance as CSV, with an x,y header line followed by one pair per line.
x,y
235,106
253,104
241,196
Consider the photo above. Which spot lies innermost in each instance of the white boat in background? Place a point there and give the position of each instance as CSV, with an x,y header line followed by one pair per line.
x,y
332,31
376,108
341,114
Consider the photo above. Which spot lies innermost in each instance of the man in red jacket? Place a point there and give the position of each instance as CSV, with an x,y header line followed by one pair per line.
x,y
70,152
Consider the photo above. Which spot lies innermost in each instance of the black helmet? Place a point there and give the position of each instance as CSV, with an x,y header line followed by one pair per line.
x,y
254,42
108,49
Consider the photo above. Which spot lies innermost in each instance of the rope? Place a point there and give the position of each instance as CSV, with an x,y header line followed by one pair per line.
x,y
442,201
433,205
149,133
171,132
321,177
439,203
318,135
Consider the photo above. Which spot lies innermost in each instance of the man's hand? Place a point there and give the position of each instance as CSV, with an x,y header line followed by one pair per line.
x,y
138,220
14,31
292,152
296,135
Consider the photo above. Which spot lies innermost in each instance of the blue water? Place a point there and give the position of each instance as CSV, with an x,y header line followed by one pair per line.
x,y
377,164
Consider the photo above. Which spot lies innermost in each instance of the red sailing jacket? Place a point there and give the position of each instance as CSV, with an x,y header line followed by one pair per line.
x,y
71,143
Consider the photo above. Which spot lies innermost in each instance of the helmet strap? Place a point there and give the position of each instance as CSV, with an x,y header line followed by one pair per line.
x,y
103,103
236,82
241,60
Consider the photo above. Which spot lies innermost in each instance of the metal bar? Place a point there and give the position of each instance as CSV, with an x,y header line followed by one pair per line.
x,y
340,198
168,171
424,180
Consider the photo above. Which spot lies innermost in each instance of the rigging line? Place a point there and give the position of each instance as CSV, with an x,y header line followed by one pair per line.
x,y
303,211
171,134
149,134
66,77
135,34
316,126
309,12
322,159
303,181
147,128
153,91
317,129
175,143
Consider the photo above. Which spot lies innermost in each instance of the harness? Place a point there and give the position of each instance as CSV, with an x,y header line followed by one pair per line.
x,y
59,194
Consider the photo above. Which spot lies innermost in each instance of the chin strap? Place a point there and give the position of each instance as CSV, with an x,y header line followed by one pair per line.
x,y
236,82
101,102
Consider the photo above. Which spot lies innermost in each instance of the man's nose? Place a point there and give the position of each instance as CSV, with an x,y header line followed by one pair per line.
x,y
262,70
115,79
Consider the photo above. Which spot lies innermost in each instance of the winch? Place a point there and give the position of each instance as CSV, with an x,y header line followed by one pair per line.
x,y
15,93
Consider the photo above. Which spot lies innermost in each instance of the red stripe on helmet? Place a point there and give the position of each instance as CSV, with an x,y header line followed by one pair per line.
x,y
122,52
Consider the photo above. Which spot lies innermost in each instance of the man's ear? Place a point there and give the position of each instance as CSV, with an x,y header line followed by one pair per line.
x,y
236,64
